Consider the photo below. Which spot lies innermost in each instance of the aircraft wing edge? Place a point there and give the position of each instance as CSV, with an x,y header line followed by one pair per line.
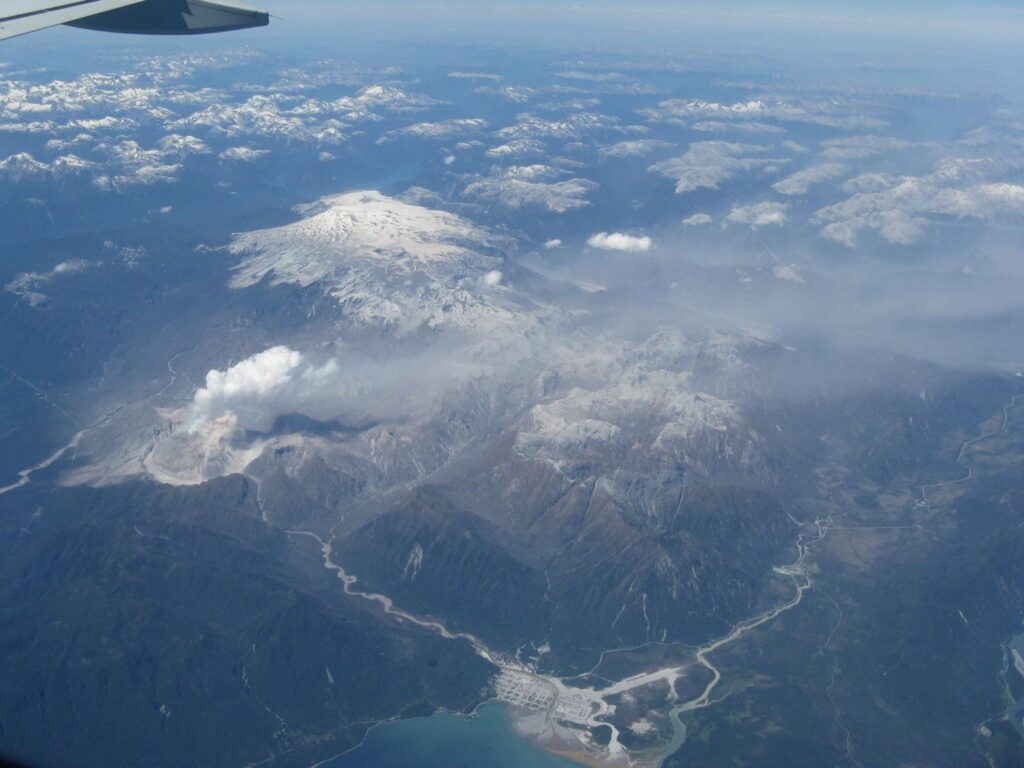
x,y
33,16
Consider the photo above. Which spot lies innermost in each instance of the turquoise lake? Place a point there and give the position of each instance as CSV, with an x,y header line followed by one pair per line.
x,y
449,741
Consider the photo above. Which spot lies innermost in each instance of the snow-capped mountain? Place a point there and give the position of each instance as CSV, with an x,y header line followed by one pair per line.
x,y
386,262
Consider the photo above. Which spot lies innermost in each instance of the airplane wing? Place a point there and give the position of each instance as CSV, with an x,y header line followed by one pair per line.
x,y
22,16
154,17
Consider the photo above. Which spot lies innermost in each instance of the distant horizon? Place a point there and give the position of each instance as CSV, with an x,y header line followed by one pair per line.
x,y
994,21
581,23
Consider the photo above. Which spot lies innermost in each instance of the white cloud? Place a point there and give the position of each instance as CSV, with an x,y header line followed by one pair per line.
x,y
801,182
280,381
708,164
492,278
226,425
697,220
617,241
758,215
246,389
553,243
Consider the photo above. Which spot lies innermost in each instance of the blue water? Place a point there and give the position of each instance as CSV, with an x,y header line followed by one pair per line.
x,y
1016,708
449,741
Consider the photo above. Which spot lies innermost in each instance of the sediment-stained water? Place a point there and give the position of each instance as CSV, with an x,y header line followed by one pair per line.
x,y
449,741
